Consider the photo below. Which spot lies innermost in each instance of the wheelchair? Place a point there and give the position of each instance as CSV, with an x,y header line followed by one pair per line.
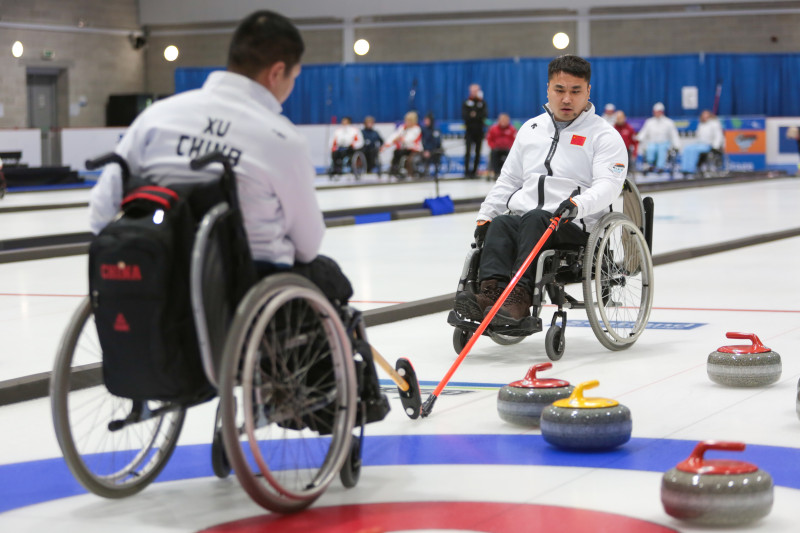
x,y
288,366
712,164
3,187
615,271
354,163
438,161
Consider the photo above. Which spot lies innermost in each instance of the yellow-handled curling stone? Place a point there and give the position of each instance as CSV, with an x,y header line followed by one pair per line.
x,y
579,423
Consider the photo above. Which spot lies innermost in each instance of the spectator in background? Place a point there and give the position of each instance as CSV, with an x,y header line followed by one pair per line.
x,y
708,137
407,141
609,114
372,143
500,138
794,133
659,135
346,140
628,135
431,146
474,114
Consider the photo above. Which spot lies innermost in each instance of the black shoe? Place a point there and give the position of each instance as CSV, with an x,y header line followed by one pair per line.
x,y
466,306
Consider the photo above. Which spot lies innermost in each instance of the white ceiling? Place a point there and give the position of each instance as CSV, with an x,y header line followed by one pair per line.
x,y
157,12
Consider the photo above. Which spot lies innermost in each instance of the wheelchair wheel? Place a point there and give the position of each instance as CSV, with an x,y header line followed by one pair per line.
x,y
108,456
460,338
351,470
358,164
505,340
287,393
617,281
554,342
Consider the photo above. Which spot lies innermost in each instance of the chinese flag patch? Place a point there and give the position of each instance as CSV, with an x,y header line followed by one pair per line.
x,y
578,140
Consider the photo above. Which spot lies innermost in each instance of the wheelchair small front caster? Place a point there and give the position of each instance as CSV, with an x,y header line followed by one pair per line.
x,y
219,459
460,339
351,469
554,342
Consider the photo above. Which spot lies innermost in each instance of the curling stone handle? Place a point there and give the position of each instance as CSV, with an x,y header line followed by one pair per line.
x,y
747,336
696,458
578,392
531,375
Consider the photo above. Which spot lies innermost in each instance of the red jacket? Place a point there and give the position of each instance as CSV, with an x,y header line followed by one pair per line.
x,y
628,137
501,138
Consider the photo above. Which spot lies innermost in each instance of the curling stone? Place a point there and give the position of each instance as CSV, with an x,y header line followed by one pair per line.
x,y
798,399
716,492
742,365
578,423
521,402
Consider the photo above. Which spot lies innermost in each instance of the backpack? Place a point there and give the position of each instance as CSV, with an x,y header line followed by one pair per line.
x,y
139,268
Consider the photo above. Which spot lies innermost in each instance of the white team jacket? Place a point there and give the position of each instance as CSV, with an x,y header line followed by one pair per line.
x,y
347,136
406,138
710,133
232,113
659,130
587,161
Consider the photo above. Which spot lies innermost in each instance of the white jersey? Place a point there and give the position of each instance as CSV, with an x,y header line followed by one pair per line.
x,y
710,133
347,136
274,174
659,130
407,138
586,160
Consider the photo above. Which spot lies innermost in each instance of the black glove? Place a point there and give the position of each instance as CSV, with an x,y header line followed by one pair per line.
x,y
568,210
480,231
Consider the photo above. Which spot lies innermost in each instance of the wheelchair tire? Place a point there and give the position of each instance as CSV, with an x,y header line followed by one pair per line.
x,y
358,164
554,342
113,463
617,281
287,392
351,470
506,340
460,338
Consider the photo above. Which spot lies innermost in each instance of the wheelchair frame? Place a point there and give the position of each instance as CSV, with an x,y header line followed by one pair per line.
x,y
356,163
614,262
287,377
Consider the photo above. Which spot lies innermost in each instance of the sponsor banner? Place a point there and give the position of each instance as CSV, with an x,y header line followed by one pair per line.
x,y
745,142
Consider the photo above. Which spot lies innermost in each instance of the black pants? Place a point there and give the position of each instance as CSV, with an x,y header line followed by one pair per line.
x,y
472,139
338,156
323,271
371,155
498,158
397,156
511,238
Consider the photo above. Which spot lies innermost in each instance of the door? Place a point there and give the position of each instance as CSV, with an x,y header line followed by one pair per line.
x,y
43,112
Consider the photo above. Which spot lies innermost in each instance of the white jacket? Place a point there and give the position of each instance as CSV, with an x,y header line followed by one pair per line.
x,y
659,130
347,136
406,138
710,133
587,161
232,113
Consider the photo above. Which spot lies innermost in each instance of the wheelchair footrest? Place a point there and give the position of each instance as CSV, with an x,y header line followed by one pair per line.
x,y
527,326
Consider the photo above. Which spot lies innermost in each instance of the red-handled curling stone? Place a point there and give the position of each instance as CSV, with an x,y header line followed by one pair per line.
x,y
521,402
744,365
717,492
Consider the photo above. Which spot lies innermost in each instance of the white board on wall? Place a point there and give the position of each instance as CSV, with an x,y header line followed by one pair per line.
x,y
27,141
80,144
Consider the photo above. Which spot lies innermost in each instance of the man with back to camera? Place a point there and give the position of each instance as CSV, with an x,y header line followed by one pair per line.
x,y
237,111
474,113
566,162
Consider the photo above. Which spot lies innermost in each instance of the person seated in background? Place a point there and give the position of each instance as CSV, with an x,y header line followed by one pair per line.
x,y
431,146
659,135
346,140
500,139
708,138
406,140
628,135
793,133
610,114
372,143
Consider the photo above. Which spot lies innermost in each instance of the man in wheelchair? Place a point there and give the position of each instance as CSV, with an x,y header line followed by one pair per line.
x,y
346,140
566,162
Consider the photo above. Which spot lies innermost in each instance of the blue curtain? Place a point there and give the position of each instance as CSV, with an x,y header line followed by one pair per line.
x,y
751,84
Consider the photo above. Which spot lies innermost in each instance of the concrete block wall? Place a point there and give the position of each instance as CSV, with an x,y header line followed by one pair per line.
x,y
94,63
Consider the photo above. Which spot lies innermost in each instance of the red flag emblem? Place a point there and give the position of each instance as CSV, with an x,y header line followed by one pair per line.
x,y
578,140
120,324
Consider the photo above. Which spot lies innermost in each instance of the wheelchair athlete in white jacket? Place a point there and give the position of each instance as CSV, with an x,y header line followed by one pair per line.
x,y
567,161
